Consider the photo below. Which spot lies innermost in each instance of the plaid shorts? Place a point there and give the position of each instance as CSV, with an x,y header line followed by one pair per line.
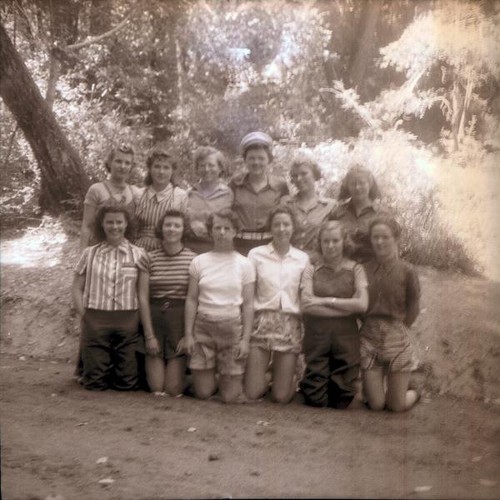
x,y
385,343
216,345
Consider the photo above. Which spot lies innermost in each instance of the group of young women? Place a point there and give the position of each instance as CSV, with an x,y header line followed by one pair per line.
x,y
234,281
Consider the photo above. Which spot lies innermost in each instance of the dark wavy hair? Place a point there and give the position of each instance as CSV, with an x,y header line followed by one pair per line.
x,y
283,209
388,221
171,213
123,148
330,224
204,152
303,160
114,208
160,151
354,171
227,214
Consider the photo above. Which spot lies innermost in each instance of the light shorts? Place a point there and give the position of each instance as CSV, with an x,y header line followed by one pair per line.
x,y
216,345
385,343
277,331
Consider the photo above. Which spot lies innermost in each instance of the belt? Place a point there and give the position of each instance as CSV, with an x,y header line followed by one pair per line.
x,y
254,235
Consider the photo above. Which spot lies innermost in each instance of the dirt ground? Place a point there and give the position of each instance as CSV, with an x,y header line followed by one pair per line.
x,y
54,432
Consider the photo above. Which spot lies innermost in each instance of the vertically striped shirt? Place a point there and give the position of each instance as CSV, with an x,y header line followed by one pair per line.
x,y
151,207
169,274
111,275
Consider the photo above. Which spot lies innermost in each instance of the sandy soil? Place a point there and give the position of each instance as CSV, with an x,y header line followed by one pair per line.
x,y
54,432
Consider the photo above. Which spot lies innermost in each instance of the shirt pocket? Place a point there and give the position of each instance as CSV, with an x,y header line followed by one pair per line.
x,y
129,272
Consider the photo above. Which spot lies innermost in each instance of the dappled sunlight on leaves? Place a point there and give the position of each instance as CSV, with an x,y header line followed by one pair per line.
x,y
38,247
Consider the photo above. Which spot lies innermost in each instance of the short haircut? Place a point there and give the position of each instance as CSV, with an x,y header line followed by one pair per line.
x,y
123,148
282,209
303,160
171,213
388,221
114,208
329,225
204,152
359,170
158,151
227,214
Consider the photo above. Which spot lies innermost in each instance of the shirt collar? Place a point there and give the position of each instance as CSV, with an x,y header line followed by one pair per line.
x,y
220,188
243,180
372,207
122,247
160,195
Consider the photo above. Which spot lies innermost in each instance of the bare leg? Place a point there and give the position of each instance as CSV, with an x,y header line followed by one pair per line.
x,y
373,384
155,375
174,376
399,398
256,382
204,383
284,376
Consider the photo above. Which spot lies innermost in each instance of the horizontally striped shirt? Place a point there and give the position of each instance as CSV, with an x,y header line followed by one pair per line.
x,y
151,207
111,275
169,274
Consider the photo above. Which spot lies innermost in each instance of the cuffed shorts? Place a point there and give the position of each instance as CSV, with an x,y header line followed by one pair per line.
x,y
216,345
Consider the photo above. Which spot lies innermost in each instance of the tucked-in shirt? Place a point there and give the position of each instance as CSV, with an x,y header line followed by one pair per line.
x,y
305,236
100,193
151,207
111,275
253,207
277,278
169,274
200,206
358,226
393,288
342,281
221,277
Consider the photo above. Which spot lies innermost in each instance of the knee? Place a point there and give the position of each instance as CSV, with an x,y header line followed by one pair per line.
x,y
281,397
396,407
376,406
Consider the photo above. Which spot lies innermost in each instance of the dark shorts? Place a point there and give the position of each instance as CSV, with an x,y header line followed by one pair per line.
x,y
167,317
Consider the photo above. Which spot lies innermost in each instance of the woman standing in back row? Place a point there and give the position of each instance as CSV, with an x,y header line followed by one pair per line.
x,y
256,192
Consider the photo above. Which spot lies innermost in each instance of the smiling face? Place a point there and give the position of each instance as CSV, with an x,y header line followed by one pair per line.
x,y
120,166
172,229
208,169
223,233
114,225
161,172
282,228
303,178
384,243
359,188
257,161
332,244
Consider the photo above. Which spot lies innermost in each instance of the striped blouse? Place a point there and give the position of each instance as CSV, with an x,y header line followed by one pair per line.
x,y
150,209
111,275
169,274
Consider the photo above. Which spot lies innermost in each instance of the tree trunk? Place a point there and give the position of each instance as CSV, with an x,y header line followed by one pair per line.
x,y
64,181
364,46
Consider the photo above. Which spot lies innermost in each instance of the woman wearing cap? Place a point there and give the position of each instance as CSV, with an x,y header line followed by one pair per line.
x,y
115,189
310,209
359,197
159,195
256,192
208,196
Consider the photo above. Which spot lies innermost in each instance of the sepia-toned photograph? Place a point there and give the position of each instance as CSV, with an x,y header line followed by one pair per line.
x,y
249,249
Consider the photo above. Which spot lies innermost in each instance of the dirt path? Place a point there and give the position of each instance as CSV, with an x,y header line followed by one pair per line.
x,y
53,432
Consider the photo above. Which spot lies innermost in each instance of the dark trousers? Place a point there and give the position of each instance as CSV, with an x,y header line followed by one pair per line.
x,y
331,350
109,344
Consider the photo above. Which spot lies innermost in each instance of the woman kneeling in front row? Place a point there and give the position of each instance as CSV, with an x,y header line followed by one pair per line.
x,y
386,348
219,313
277,335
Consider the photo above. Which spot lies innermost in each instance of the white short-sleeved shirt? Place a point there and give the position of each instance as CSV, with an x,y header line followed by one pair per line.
x,y
221,277
278,278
